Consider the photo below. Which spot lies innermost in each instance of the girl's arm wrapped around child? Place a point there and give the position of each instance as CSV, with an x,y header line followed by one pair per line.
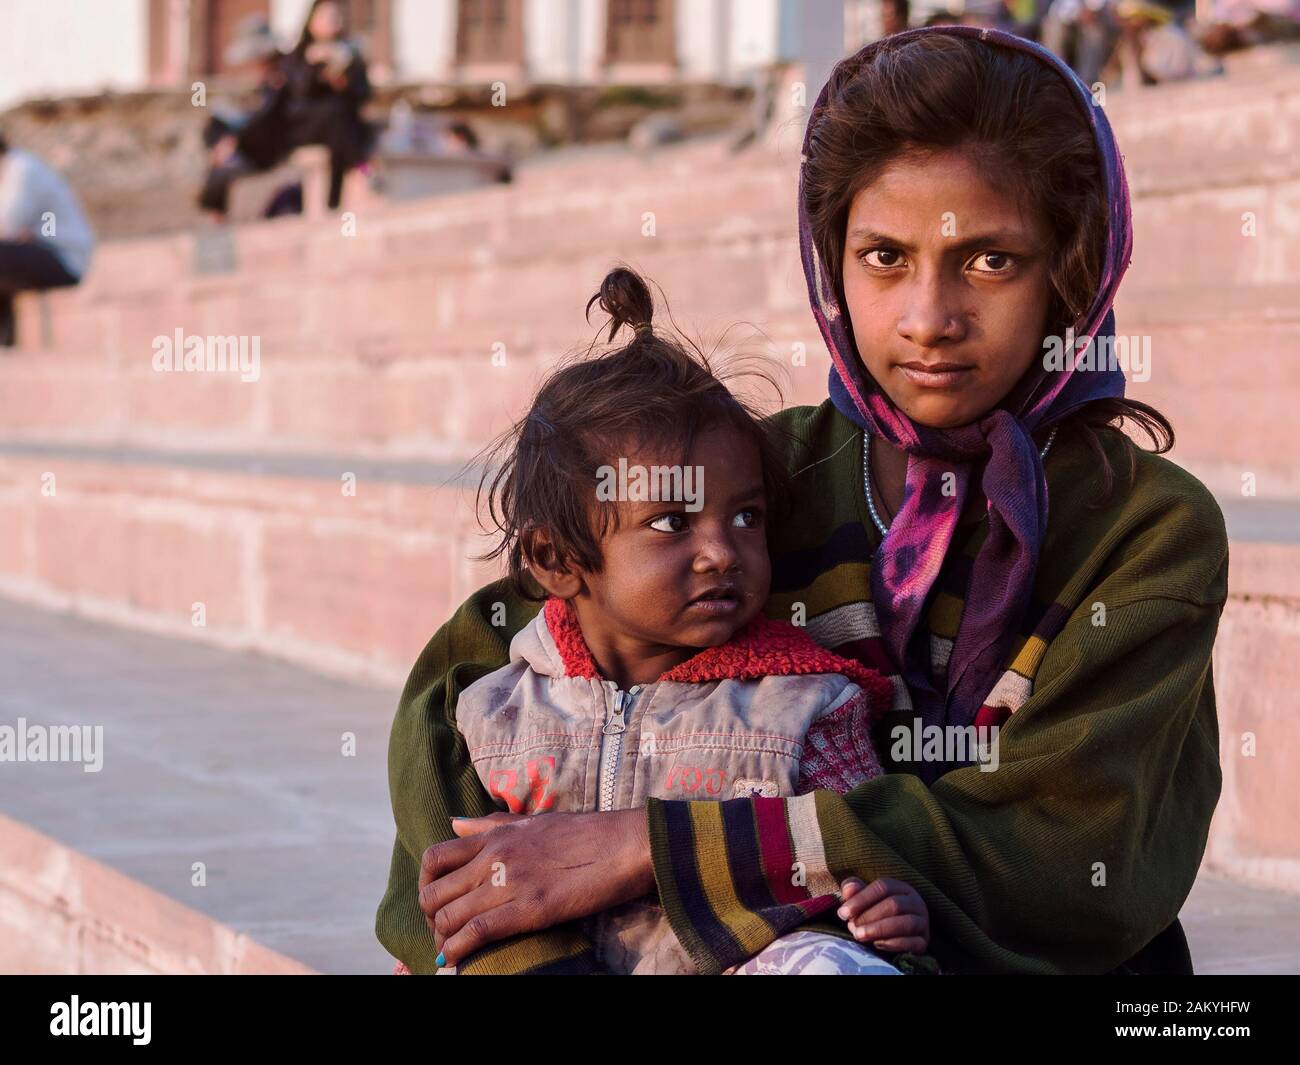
x,y
432,780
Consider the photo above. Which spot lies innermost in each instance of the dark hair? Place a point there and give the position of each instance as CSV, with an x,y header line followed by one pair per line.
x,y
656,390
1022,125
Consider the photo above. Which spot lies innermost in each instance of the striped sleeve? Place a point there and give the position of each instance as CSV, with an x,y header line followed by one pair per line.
x,y
1071,856
735,875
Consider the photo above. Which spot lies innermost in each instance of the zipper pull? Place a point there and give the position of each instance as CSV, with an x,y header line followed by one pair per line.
x,y
616,724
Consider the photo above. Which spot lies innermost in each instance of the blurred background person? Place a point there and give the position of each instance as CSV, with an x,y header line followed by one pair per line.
x,y
1156,47
1083,33
326,86
312,95
1022,17
45,240
1237,24
242,143
895,15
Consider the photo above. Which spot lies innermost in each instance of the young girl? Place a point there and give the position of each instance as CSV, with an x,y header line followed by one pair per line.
x,y
967,516
634,496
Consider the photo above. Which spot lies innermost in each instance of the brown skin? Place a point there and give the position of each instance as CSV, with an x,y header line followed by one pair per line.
x,y
917,294
558,867
889,914
916,291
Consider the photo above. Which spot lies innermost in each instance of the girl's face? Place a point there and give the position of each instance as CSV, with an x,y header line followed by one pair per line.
x,y
678,577
944,272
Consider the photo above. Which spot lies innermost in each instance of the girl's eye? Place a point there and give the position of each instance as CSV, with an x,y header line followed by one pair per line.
x,y
748,518
669,520
883,258
995,262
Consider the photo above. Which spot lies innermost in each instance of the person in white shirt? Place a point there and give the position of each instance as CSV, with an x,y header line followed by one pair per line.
x,y
45,240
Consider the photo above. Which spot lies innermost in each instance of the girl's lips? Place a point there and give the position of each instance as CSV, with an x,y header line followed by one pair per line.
x,y
941,379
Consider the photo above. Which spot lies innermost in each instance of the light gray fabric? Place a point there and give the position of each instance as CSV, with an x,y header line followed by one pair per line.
x,y
36,201
815,954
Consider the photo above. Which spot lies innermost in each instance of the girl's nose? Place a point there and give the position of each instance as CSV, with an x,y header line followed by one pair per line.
x,y
932,315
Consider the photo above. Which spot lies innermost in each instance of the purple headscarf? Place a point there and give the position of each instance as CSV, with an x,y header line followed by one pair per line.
x,y
909,559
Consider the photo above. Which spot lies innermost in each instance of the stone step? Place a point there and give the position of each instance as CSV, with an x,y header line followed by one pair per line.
x,y
1202,158
340,563
1225,382
346,565
1237,130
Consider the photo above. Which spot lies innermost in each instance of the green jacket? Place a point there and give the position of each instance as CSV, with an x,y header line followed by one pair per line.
x,y
1074,856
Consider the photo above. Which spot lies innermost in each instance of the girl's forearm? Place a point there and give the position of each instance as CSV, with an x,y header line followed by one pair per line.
x,y
640,871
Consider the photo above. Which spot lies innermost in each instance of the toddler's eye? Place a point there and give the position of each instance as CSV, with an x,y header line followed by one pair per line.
x,y
669,519
883,258
748,518
995,262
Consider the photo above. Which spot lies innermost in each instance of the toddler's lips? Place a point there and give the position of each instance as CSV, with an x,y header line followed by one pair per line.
x,y
716,604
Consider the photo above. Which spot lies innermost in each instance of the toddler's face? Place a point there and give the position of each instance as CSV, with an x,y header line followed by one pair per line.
x,y
943,269
688,572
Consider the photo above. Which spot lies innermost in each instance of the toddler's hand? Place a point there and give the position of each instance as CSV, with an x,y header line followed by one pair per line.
x,y
887,914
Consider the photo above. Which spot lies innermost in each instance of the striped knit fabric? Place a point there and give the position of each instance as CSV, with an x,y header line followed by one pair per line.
x,y
837,601
561,952
830,586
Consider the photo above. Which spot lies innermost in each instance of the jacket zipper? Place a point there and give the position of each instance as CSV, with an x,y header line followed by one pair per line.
x,y
611,744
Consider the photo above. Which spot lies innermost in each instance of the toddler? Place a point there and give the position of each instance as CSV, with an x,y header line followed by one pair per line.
x,y
634,496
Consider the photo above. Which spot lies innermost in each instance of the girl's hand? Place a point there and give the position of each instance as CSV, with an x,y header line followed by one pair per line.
x,y
513,873
888,914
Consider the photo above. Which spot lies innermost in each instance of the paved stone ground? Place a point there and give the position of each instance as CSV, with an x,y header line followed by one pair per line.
x,y
234,760
1237,929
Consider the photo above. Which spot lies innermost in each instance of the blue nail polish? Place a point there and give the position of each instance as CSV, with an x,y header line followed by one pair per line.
x,y
440,960
460,818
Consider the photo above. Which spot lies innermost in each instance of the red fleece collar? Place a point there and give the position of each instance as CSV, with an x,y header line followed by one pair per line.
x,y
763,648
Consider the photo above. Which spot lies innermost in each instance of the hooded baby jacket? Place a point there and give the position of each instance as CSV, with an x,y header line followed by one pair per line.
x,y
769,713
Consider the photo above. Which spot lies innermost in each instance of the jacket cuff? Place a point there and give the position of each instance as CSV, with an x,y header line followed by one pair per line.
x,y
735,875
561,951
